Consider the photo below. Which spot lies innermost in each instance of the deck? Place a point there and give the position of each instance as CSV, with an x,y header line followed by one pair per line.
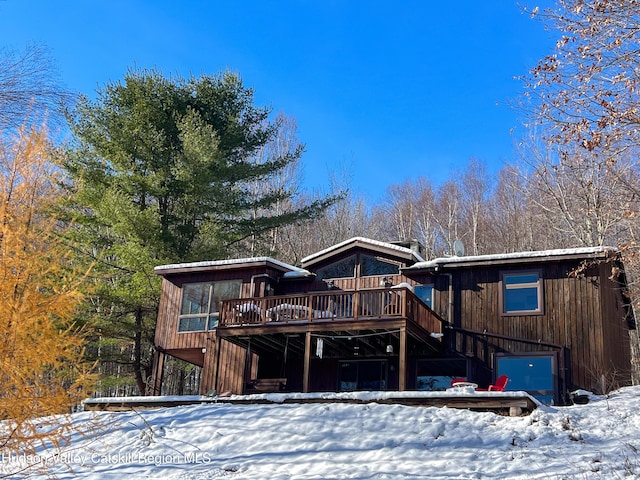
x,y
329,306
504,403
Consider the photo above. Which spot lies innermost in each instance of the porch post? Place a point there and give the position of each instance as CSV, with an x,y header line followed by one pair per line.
x,y
157,373
216,377
208,375
402,380
307,358
246,372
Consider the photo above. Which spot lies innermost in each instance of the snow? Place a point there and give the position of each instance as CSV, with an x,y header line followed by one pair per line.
x,y
436,262
375,243
161,269
599,440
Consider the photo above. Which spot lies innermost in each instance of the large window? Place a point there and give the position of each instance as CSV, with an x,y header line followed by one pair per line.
x,y
370,265
361,264
342,269
534,373
522,293
200,303
424,293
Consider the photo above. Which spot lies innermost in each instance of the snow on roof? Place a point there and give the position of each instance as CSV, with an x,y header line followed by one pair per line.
x,y
583,251
223,263
375,243
299,273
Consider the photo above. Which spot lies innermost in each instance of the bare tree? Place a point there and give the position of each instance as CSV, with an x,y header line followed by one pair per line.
x,y
408,212
30,87
447,215
349,217
583,199
587,90
475,187
284,144
513,223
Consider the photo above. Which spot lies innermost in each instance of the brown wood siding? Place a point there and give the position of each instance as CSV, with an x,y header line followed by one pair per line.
x,y
167,336
581,313
615,327
232,368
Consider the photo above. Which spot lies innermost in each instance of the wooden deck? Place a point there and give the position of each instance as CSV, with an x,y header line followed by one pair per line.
x,y
504,403
329,306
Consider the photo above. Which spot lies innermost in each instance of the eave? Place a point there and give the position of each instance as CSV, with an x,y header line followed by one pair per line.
x,y
542,256
232,264
364,243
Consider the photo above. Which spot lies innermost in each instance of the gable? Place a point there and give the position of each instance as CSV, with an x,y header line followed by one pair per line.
x,y
400,255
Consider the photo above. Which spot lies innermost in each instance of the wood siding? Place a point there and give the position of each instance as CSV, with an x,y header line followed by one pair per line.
x,y
583,319
582,313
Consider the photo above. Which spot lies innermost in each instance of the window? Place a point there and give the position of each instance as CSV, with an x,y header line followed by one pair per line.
x,y
424,293
343,269
200,303
436,374
360,264
375,266
521,293
535,373
362,375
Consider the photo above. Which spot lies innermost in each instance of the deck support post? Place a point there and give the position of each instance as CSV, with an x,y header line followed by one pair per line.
x,y
402,374
216,375
157,373
246,372
209,376
307,359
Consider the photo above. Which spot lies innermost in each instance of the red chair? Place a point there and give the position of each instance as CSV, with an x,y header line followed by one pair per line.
x,y
499,386
457,380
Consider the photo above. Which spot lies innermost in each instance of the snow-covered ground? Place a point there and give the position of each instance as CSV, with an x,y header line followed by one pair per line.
x,y
600,440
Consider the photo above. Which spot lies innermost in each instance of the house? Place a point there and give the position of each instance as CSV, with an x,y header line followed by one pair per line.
x,y
370,315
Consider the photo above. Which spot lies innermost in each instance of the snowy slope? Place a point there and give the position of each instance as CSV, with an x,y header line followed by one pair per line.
x,y
599,440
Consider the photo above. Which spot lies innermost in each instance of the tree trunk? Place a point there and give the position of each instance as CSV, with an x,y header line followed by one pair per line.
x,y
137,354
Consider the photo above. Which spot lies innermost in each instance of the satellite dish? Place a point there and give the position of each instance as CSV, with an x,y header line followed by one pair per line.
x,y
458,248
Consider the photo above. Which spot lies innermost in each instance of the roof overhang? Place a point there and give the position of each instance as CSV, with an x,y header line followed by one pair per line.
x,y
366,243
231,264
541,256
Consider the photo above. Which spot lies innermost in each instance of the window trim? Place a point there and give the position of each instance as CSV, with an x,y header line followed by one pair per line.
x,y
208,315
539,285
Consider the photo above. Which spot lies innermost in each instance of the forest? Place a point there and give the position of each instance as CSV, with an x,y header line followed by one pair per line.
x,y
163,169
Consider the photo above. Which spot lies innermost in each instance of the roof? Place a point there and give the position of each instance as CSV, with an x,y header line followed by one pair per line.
x,y
366,243
517,257
228,264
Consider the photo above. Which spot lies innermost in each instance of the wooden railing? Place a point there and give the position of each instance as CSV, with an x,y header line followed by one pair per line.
x,y
330,306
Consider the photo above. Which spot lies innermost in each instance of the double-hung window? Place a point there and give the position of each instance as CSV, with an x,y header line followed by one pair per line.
x,y
522,293
200,304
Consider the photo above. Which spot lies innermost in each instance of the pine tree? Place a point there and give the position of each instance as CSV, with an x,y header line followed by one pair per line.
x,y
42,369
162,172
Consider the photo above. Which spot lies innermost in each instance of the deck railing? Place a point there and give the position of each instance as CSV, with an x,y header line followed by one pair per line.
x,y
330,306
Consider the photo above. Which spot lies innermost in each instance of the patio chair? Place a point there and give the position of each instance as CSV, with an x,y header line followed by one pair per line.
x,y
458,380
499,386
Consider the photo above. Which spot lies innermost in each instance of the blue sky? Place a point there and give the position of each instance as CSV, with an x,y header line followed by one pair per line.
x,y
389,90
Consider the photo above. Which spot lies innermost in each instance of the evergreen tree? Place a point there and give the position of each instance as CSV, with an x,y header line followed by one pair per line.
x,y
161,172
